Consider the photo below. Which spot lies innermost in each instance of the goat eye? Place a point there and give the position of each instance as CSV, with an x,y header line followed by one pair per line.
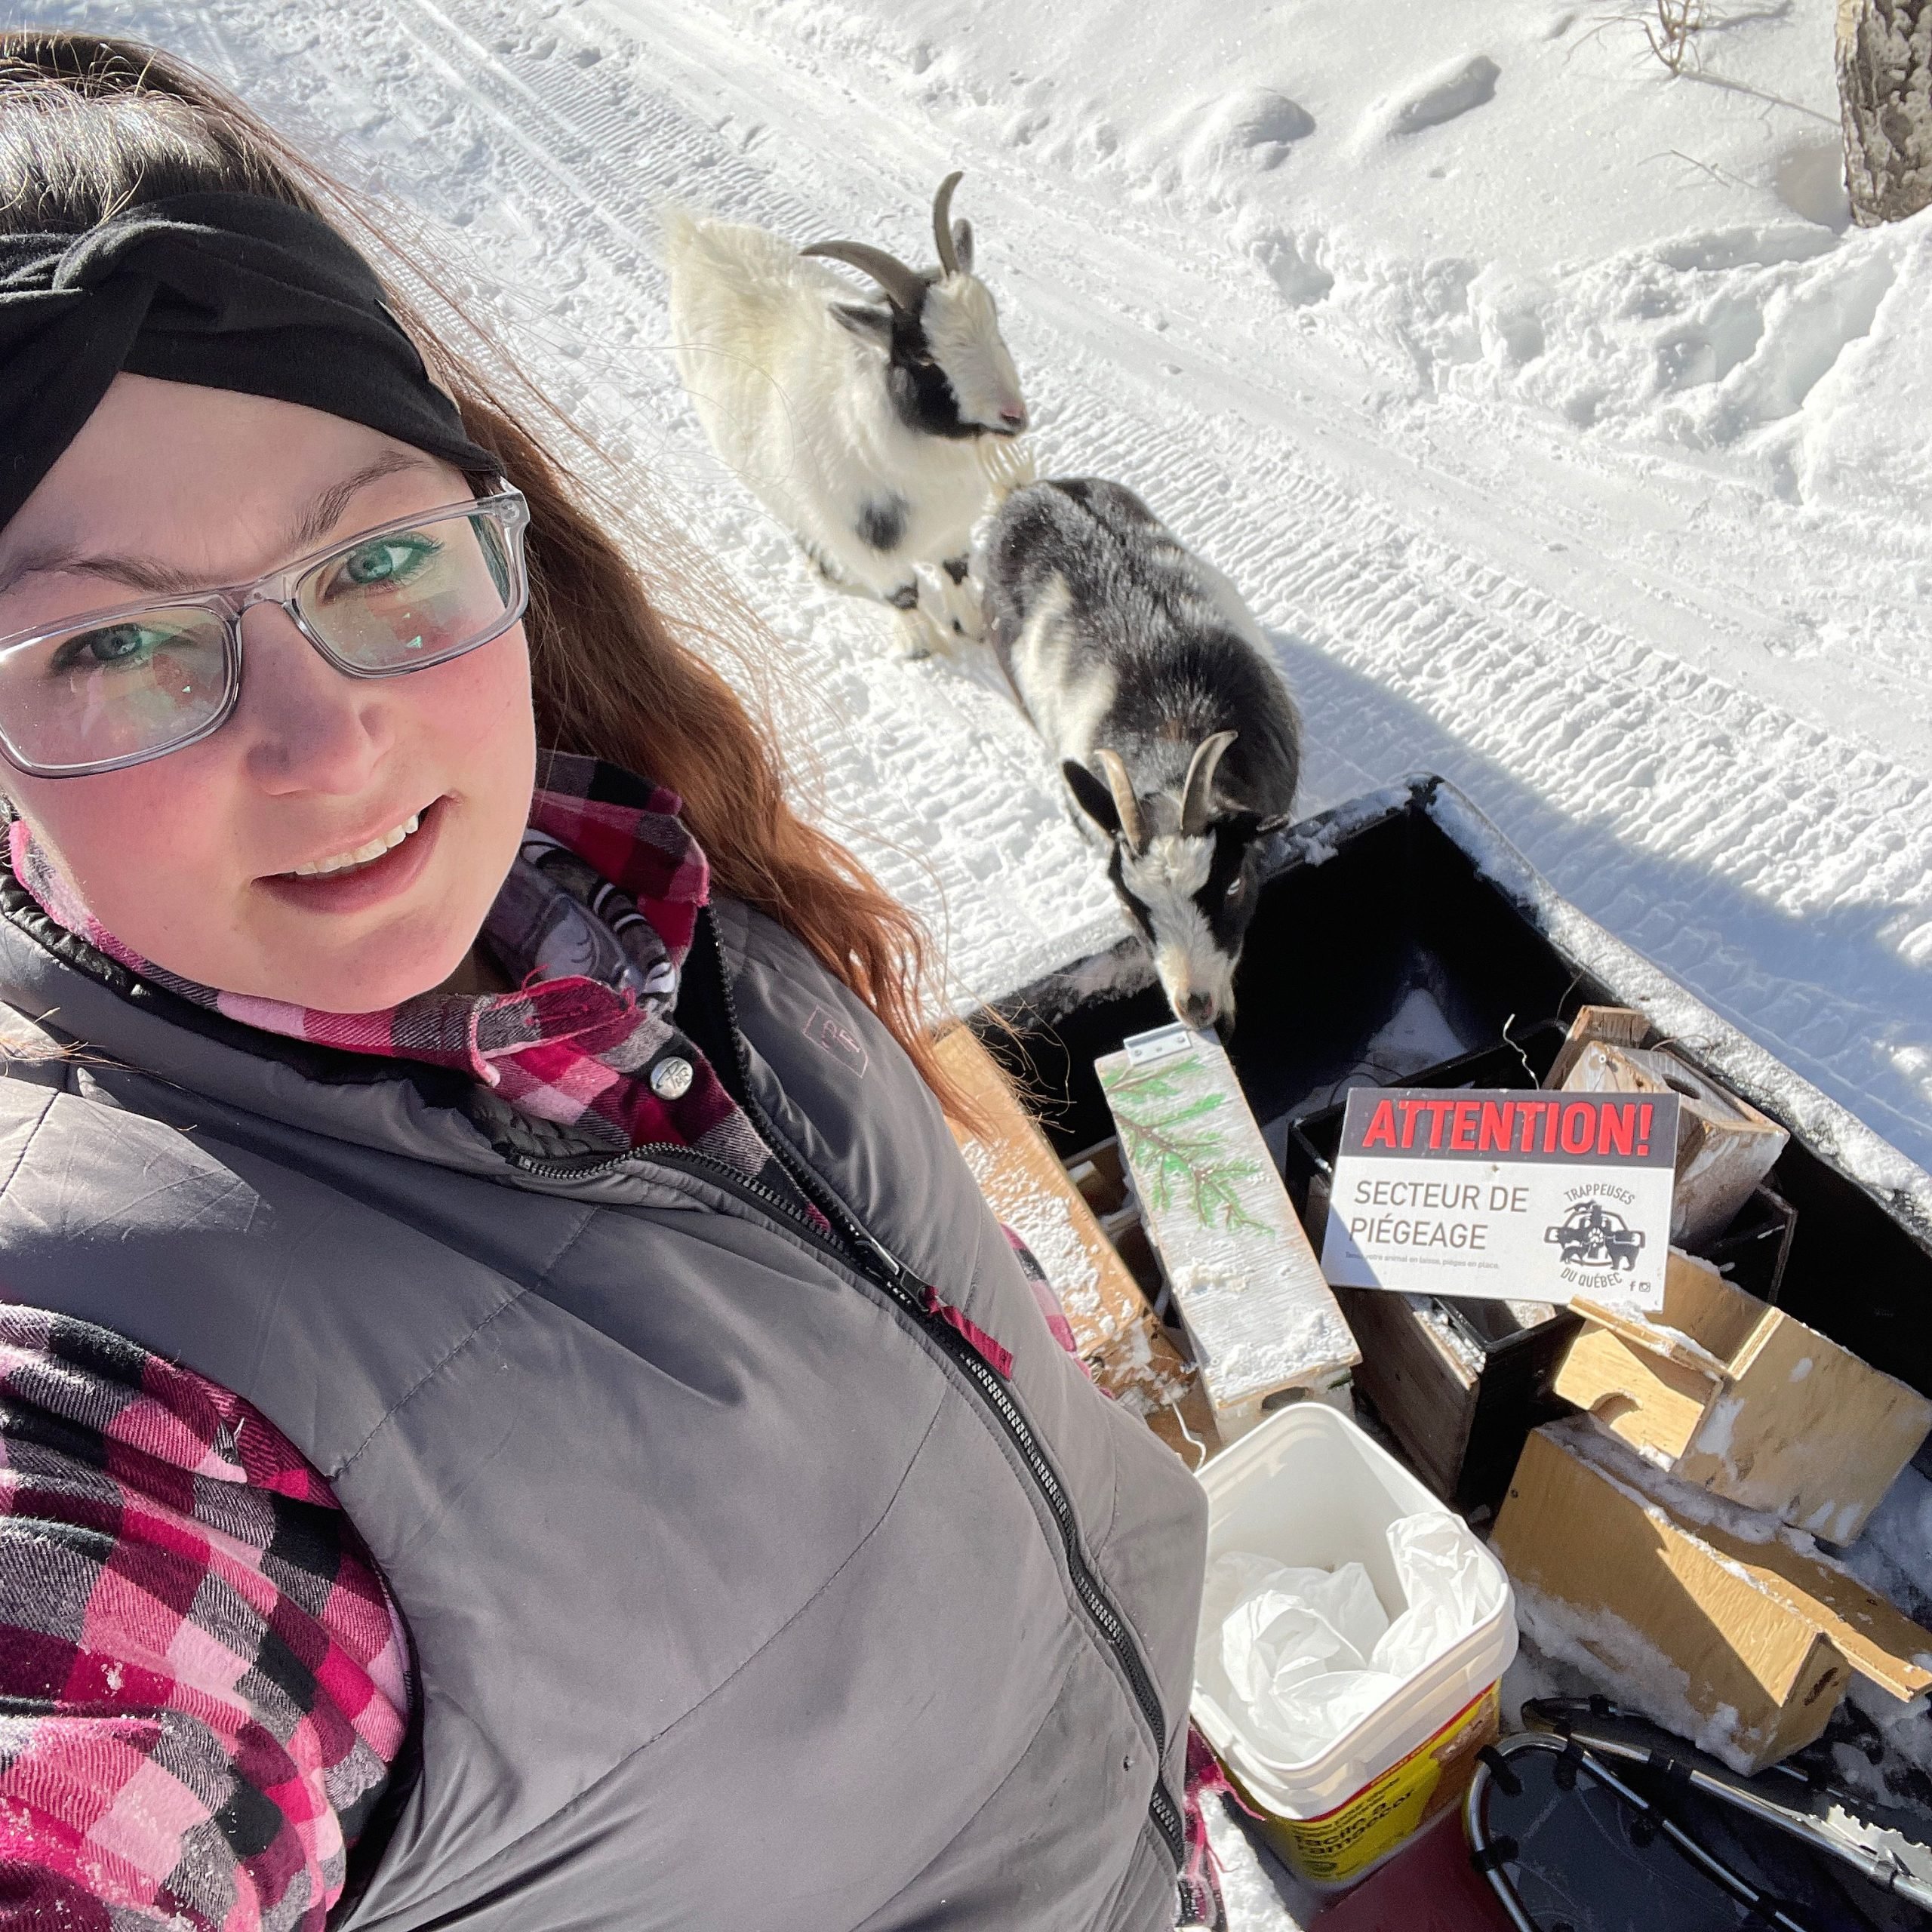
x,y
1236,887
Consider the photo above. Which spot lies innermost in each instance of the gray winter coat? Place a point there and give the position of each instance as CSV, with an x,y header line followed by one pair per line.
x,y
742,1593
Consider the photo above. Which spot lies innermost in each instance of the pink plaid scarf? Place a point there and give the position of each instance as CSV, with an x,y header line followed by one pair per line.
x,y
594,922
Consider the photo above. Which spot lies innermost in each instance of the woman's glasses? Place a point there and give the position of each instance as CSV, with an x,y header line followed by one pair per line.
x,y
117,688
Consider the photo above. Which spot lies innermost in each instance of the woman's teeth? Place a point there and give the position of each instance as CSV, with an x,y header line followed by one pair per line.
x,y
363,855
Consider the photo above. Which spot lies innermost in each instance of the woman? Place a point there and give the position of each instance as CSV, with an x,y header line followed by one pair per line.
x,y
513,1412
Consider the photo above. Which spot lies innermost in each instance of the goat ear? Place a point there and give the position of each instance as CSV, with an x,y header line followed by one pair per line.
x,y
962,244
868,323
1093,797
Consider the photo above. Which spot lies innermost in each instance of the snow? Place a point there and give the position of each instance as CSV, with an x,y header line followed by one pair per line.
x,y
1551,417
1689,1503
1564,435
1609,1654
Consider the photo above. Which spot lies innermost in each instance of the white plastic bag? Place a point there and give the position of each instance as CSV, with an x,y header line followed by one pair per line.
x,y
1447,1587
1309,1654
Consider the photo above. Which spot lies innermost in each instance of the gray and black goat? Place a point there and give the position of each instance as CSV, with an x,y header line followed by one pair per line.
x,y
1150,680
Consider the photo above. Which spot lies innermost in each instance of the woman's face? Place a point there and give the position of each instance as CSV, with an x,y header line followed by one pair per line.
x,y
192,858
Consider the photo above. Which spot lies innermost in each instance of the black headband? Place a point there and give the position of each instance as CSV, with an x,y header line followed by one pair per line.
x,y
225,291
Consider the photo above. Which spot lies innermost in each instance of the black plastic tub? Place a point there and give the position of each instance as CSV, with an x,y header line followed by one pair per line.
x,y
1401,930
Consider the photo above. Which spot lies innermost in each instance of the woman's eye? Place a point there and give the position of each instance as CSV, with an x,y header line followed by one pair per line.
x,y
392,560
112,645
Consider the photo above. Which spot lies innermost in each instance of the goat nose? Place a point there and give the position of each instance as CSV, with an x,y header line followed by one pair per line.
x,y
1199,1010
1016,417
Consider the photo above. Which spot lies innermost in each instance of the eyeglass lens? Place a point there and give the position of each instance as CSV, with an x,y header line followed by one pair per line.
x,y
410,597
98,695
151,681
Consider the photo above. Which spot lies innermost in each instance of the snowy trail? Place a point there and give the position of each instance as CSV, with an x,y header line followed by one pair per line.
x,y
1452,589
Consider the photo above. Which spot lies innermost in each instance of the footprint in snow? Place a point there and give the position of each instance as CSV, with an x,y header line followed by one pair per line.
x,y
1442,96
1249,131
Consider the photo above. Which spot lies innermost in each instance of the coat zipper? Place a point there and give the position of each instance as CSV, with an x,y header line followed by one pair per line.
x,y
920,1303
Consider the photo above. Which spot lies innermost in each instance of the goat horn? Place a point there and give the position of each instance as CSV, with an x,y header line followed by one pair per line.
x,y
1198,792
906,287
1131,827
949,255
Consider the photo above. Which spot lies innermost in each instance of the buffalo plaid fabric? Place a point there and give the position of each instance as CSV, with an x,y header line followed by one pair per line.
x,y
202,1683
1045,1295
593,923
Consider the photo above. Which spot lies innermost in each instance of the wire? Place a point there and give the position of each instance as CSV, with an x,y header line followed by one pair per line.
x,y
1194,1440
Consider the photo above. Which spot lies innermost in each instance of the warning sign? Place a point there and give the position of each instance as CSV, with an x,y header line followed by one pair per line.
x,y
1517,1196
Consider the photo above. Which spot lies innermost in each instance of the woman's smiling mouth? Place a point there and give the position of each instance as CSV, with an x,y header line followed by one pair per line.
x,y
381,869
363,855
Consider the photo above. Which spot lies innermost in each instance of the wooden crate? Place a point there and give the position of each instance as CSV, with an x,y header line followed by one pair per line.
x,y
1125,1348
1748,1640
1743,1401
1725,1147
1459,1384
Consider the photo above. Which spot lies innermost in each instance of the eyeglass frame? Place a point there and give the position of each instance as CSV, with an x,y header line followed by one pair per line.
x,y
505,505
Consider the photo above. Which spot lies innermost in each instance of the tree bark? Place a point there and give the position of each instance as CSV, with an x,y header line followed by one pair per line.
x,y
1885,63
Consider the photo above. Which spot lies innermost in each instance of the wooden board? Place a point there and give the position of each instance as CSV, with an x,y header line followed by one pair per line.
x,y
1262,1319
1120,1338
1648,1398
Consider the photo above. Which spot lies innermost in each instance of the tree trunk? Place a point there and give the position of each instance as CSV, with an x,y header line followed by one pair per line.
x,y
1885,58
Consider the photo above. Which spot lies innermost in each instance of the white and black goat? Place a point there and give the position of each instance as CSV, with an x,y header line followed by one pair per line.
x,y
1152,683
858,425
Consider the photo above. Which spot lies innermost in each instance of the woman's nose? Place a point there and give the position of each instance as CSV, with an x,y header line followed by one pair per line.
x,y
305,726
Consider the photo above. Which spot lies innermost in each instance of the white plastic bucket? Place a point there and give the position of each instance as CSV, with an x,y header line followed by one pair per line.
x,y
1309,1487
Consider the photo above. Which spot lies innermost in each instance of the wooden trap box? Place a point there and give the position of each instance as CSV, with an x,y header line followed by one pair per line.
x,y
1121,1341
1725,1147
1742,1400
1722,1626
1459,1383
1244,1278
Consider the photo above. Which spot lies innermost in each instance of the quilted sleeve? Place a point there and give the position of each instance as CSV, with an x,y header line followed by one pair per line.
x,y
203,1682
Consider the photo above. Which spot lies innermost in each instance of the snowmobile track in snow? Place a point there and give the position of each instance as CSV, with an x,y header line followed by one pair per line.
x,y
1784,872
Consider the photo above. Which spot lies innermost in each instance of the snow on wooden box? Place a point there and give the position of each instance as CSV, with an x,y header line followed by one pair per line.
x,y
1743,1400
1120,1339
1726,1626
1260,1316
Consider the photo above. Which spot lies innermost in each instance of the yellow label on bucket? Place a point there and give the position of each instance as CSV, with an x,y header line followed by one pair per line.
x,y
1342,1843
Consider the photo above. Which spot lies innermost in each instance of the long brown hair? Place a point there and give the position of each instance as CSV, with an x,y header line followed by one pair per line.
x,y
90,124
